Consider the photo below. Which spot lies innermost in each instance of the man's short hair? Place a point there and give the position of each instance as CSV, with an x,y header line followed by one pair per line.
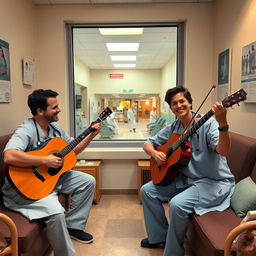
x,y
38,99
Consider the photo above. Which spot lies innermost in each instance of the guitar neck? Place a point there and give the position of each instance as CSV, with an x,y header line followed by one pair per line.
x,y
192,130
229,101
77,140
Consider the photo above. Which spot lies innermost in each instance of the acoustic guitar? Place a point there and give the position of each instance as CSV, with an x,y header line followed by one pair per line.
x,y
177,147
36,182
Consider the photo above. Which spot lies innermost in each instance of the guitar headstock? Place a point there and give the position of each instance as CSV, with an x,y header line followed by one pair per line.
x,y
105,113
234,98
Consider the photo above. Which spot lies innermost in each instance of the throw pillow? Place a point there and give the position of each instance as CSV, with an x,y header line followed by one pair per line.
x,y
244,197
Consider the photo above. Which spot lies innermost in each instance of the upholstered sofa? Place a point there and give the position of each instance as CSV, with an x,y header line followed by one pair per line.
x,y
31,235
207,233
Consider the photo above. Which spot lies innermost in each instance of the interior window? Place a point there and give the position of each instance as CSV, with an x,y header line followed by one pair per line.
x,y
127,69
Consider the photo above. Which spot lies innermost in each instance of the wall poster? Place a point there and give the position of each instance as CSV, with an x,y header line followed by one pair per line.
x,y
28,71
224,74
5,81
248,72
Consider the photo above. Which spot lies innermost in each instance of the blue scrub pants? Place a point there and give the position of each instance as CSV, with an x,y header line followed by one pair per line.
x,y
181,204
81,186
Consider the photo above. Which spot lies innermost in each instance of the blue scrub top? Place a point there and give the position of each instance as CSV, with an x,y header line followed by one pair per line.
x,y
206,169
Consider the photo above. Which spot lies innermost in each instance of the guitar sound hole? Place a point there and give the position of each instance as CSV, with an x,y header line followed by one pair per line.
x,y
54,171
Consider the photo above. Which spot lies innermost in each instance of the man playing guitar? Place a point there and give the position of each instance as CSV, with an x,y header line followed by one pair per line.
x,y
205,183
31,136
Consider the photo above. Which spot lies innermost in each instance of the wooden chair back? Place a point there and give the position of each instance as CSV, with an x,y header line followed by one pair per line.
x,y
234,233
12,248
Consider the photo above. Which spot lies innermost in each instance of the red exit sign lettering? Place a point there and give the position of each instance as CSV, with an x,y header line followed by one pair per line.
x,y
116,75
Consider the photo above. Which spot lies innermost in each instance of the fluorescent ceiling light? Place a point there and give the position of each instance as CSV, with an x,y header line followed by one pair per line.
x,y
124,65
117,47
121,31
123,57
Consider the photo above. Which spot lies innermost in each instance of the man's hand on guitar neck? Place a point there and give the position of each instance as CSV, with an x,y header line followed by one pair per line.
x,y
96,128
224,144
83,144
220,113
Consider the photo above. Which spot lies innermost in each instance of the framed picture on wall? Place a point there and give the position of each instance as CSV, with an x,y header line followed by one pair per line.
x,y
28,68
248,72
224,74
5,78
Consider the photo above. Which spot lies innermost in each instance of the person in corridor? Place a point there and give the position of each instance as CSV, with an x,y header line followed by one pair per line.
x,y
131,114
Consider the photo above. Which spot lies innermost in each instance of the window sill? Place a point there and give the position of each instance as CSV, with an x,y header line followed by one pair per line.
x,y
113,153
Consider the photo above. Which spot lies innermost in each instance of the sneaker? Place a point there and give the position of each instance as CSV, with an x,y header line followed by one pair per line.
x,y
80,236
145,244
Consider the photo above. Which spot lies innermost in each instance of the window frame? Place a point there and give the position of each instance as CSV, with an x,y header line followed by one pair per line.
x,y
70,66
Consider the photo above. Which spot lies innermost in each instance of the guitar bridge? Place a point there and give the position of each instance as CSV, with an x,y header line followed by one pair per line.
x,y
38,174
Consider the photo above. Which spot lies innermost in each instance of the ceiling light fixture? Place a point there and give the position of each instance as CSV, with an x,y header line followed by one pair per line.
x,y
123,57
121,31
117,47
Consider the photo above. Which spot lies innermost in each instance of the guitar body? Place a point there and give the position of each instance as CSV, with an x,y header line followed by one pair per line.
x,y
29,184
165,173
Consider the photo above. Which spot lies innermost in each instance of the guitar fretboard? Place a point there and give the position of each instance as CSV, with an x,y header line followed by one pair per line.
x,y
76,141
192,130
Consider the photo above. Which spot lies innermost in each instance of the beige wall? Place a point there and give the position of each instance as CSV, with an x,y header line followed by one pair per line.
x,y
235,23
50,45
52,68
82,74
18,28
39,33
140,81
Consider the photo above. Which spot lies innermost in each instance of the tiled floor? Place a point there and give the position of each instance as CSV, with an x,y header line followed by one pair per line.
x,y
117,225
124,133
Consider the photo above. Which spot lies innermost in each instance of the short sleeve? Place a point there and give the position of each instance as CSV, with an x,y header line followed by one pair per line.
x,y
19,140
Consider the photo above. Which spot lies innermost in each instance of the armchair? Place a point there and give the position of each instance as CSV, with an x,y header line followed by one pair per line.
x,y
234,233
12,248
31,235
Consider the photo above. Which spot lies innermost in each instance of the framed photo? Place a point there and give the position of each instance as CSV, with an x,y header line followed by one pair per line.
x,y
5,80
248,72
224,74
28,67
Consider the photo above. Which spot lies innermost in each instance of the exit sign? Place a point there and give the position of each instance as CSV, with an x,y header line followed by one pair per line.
x,y
116,75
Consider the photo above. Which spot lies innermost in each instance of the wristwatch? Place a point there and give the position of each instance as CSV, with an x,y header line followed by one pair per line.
x,y
224,128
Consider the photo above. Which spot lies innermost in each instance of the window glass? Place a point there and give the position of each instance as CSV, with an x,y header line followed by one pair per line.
x,y
135,93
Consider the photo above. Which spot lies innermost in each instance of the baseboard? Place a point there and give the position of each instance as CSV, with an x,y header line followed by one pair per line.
x,y
119,191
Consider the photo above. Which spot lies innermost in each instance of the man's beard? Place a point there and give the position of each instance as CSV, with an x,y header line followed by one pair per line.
x,y
51,119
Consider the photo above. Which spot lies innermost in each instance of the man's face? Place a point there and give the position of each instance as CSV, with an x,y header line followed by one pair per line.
x,y
52,110
180,105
